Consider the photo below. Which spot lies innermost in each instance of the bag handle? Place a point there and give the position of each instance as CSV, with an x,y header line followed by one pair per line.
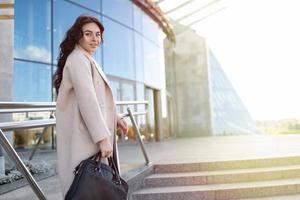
x,y
97,157
113,166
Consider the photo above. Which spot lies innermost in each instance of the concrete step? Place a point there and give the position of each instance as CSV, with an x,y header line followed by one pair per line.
x,y
285,197
221,191
222,176
229,164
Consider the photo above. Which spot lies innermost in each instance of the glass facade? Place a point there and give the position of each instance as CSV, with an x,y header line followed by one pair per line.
x,y
32,39
37,78
229,115
118,50
129,54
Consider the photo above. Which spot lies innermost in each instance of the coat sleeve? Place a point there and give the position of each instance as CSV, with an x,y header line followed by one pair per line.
x,y
79,69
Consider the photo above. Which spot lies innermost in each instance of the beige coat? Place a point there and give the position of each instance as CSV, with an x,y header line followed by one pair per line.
x,y
85,113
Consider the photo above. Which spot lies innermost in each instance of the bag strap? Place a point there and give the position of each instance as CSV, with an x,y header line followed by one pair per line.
x,y
113,166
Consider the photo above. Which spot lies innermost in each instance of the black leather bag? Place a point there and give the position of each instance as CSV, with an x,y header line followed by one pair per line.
x,y
97,181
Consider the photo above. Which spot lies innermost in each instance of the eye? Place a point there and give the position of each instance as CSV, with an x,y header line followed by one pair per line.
x,y
98,34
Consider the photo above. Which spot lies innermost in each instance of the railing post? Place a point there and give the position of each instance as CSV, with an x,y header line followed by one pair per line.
x,y
40,139
138,134
21,166
38,143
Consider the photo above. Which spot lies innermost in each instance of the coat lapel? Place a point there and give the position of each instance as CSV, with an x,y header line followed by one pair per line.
x,y
100,71
94,63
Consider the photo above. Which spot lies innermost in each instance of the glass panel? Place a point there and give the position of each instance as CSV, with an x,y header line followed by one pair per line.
x,y
53,89
61,26
137,19
150,29
118,50
161,38
141,119
139,57
32,35
38,82
120,10
115,86
229,114
151,64
150,126
128,94
91,4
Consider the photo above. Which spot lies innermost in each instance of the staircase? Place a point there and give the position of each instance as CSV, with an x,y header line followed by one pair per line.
x,y
222,180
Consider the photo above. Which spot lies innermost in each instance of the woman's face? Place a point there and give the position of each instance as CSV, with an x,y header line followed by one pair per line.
x,y
91,38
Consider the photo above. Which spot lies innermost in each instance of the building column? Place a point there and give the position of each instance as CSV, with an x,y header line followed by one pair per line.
x,y
6,61
158,115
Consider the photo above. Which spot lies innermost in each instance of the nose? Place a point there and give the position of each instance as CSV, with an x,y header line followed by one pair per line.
x,y
94,38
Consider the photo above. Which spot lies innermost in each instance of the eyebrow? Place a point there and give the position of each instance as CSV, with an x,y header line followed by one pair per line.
x,y
91,31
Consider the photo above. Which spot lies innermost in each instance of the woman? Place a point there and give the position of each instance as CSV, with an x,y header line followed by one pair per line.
x,y
86,117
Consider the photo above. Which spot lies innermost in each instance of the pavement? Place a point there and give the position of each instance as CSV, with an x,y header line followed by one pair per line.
x,y
183,150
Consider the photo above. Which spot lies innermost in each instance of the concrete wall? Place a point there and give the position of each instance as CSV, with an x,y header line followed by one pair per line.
x,y
187,83
6,60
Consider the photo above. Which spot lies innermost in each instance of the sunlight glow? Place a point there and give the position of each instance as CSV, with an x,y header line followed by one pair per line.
x,y
257,43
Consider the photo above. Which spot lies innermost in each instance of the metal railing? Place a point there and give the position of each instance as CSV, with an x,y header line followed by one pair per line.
x,y
20,107
135,126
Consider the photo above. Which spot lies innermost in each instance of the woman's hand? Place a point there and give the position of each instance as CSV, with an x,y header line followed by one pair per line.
x,y
122,125
106,148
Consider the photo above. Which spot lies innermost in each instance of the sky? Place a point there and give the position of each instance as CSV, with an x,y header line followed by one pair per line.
x,y
257,42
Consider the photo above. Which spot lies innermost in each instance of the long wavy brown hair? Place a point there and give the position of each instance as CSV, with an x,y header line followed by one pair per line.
x,y
72,37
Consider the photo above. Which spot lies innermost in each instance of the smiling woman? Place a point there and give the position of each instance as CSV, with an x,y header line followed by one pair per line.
x,y
86,117
91,37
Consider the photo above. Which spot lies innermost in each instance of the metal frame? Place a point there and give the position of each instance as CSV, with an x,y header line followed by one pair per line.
x,y
12,107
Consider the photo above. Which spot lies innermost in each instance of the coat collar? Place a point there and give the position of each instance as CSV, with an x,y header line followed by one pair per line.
x,y
93,62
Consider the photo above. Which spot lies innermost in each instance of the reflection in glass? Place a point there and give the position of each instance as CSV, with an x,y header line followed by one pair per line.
x,y
115,86
150,127
120,10
141,119
91,4
139,57
32,82
118,50
229,115
151,64
32,35
150,29
137,19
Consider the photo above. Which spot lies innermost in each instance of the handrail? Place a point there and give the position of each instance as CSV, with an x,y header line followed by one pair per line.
x,y
17,107
17,110
137,131
10,126
21,166
6,104
119,103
